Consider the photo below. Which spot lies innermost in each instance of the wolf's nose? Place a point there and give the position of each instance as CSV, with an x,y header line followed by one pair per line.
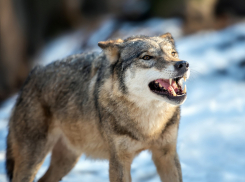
x,y
181,65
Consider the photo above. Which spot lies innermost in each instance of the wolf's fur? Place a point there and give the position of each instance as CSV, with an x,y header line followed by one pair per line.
x,y
98,104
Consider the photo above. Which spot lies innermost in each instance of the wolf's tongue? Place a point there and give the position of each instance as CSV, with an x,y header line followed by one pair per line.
x,y
167,86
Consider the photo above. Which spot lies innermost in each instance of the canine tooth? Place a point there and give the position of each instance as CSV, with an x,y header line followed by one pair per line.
x,y
156,82
185,79
160,85
180,81
184,91
170,81
174,94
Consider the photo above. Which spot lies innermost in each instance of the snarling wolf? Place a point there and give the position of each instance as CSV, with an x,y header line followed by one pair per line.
x,y
109,105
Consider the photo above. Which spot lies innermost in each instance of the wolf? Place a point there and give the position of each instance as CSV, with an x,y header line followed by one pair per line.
x,y
108,105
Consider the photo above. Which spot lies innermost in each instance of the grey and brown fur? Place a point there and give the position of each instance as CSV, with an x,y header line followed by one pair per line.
x,y
86,104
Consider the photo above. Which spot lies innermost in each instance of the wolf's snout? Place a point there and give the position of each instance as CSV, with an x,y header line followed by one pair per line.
x,y
181,65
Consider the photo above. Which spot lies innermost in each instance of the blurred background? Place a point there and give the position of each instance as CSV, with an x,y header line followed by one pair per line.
x,y
209,34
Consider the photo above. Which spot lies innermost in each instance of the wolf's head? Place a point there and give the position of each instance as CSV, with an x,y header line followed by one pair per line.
x,y
148,68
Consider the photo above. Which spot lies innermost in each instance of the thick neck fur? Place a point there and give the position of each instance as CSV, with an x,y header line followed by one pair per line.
x,y
146,118
152,116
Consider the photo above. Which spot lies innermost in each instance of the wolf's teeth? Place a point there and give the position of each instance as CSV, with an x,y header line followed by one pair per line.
x,y
156,82
160,85
170,81
174,94
185,79
184,91
180,81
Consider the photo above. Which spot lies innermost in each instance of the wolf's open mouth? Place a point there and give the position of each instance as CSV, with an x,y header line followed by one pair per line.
x,y
170,87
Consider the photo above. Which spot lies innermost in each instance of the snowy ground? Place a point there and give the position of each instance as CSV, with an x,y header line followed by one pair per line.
x,y
211,141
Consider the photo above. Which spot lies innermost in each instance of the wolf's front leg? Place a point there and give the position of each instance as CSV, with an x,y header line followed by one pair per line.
x,y
119,170
167,163
120,160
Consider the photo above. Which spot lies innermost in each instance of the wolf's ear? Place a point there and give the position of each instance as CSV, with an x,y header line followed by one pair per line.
x,y
111,49
167,36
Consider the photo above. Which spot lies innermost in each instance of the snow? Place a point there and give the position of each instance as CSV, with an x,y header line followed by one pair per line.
x,y
211,140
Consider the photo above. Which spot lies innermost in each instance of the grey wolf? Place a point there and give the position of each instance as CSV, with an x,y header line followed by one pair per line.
x,y
109,105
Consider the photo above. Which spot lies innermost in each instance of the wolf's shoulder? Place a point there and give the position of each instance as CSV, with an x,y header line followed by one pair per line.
x,y
77,60
73,63
86,56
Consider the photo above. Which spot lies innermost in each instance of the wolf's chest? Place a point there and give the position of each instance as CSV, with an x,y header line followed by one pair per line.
x,y
153,123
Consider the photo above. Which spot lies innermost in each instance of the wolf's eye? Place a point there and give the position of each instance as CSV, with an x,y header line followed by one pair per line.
x,y
173,54
147,57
